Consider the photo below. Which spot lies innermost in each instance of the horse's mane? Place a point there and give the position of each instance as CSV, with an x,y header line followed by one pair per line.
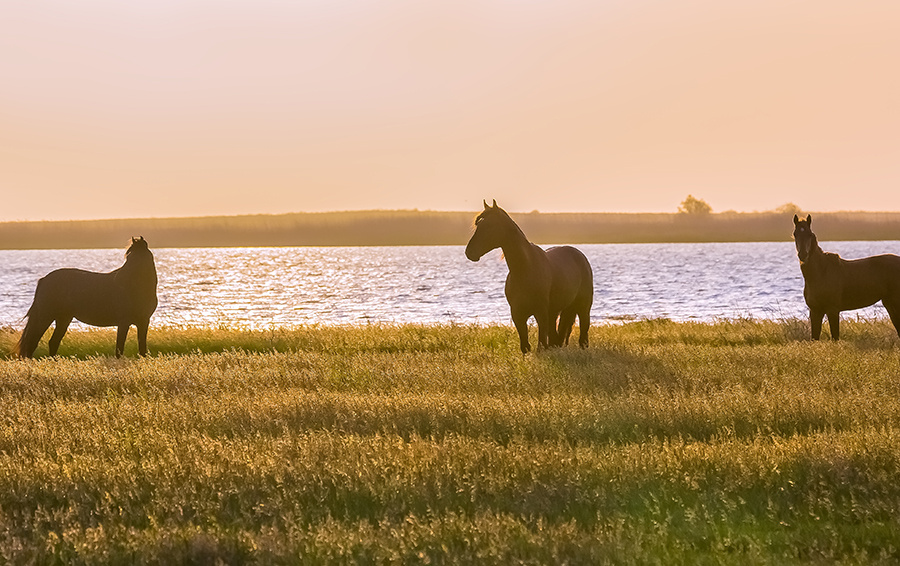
x,y
830,258
497,210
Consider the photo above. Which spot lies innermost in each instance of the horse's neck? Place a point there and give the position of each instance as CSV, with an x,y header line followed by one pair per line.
x,y
517,251
135,264
137,269
816,258
816,253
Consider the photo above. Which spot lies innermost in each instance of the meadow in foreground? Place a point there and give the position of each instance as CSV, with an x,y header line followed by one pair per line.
x,y
733,442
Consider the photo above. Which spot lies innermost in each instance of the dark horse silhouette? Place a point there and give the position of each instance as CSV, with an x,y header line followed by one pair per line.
x,y
833,284
549,285
119,298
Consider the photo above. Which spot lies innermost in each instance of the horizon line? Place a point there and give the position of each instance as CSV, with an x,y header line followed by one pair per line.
x,y
425,211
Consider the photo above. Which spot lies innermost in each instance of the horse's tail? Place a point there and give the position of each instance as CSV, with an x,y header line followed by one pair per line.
x,y
30,337
38,322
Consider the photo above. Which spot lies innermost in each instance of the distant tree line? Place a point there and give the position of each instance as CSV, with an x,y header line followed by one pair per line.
x,y
411,227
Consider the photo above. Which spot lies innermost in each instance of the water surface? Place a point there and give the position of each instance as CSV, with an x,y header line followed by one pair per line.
x,y
265,287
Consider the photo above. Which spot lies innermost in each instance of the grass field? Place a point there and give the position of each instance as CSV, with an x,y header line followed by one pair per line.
x,y
735,442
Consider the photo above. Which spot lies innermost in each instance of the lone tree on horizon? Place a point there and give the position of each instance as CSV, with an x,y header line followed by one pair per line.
x,y
694,206
789,209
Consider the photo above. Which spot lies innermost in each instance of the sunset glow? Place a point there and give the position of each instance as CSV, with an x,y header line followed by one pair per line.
x,y
140,109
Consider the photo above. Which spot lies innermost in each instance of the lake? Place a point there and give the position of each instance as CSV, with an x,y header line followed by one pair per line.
x,y
266,287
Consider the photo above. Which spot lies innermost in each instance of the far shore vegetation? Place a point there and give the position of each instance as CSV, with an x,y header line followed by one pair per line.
x,y
733,442
694,222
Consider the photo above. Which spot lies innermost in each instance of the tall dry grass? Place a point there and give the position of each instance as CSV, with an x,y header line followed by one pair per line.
x,y
733,442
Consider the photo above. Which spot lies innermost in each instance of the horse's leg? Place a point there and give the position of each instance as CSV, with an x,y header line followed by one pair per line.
x,y
521,322
584,324
815,323
121,335
62,324
543,324
554,337
142,337
566,321
555,330
834,323
893,310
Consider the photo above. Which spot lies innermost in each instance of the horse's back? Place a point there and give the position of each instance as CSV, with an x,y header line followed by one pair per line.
x,y
888,263
573,279
75,283
883,268
877,275
72,292
91,297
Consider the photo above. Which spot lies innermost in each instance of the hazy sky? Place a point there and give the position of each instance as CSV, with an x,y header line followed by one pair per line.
x,y
112,108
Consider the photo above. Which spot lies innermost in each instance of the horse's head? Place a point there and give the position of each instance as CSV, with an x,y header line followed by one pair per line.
x,y
139,268
804,239
139,245
491,228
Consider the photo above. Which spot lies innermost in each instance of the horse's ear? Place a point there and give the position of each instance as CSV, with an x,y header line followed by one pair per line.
x,y
485,204
495,203
809,218
133,239
796,219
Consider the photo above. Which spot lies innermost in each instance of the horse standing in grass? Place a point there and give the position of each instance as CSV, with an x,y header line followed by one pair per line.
x,y
833,284
549,285
119,298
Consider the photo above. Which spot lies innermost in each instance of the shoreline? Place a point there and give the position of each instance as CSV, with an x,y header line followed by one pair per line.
x,y
394,337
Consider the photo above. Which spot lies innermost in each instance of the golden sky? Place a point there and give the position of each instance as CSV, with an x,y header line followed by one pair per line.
x,y
197,107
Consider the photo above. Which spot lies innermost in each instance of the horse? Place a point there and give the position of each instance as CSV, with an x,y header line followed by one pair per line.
x,y
833,284
554,284
122,297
